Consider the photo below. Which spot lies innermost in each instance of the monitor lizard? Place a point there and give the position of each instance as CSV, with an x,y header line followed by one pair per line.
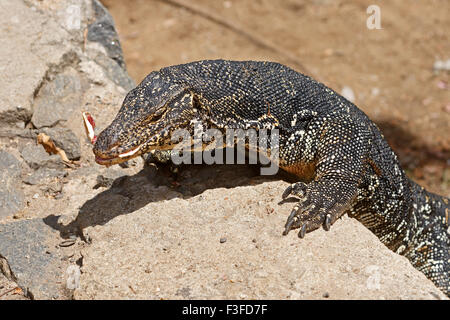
x,y
340,158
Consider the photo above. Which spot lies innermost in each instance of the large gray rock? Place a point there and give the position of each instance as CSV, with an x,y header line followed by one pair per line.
x,y
11,196
59,98
103,31
42,175
25,55
42,46
36,157
30,257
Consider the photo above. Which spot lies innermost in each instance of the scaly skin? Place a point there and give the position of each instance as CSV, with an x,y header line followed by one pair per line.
x,y
342,161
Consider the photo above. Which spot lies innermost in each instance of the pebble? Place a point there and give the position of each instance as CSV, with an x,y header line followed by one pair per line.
x,y
223,240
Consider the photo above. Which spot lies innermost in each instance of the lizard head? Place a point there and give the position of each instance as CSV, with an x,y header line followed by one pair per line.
x,y
145,122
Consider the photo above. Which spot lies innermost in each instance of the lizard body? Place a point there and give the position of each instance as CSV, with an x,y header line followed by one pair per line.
x,y
342,161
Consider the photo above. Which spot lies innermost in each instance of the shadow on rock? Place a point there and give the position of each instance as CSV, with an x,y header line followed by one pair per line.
x,y
130,193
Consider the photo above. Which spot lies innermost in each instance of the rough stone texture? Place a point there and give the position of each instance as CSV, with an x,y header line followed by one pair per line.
x,y
41,175
102,30
33,261
114,71
66,140
49,74
36,157
11,197
25,54
40,39
145,247
58,99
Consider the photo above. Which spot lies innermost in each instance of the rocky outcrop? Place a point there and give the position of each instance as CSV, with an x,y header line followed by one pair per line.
x,y
56,59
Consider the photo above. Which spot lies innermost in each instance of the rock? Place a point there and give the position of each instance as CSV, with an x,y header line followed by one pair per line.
x,y
103,31
50,70
178,234
23,247
66,140
11,197
25,54
52,188
58,99
41,175
36,157
115,72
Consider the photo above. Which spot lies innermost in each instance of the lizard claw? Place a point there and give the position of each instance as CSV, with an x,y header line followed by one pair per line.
x,y
286,192
327,223
290,221
297,189
302,232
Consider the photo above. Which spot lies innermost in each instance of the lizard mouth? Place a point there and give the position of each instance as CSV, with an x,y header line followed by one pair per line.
x,y
121,157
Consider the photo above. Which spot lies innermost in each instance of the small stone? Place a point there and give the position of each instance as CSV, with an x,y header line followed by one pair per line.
x,y
11,196
42,174
36,157
223,240
326,295
58,99
103,182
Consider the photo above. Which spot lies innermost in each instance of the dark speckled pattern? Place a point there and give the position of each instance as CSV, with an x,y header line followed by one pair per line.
x,y
342,161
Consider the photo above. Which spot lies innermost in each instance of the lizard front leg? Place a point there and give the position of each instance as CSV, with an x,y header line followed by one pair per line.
x,y
339,165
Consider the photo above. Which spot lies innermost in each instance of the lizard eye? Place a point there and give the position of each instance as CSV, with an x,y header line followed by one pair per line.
x,y
155,117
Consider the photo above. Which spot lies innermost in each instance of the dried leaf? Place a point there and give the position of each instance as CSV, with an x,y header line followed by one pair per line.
x,y
51,148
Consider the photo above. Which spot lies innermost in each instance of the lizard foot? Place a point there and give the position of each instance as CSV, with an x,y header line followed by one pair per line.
x,y
307,215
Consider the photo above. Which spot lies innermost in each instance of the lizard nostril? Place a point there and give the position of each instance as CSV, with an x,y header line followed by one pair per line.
x,y
105,143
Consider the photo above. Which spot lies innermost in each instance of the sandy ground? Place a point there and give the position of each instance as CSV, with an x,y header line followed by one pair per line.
x,y
390,70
